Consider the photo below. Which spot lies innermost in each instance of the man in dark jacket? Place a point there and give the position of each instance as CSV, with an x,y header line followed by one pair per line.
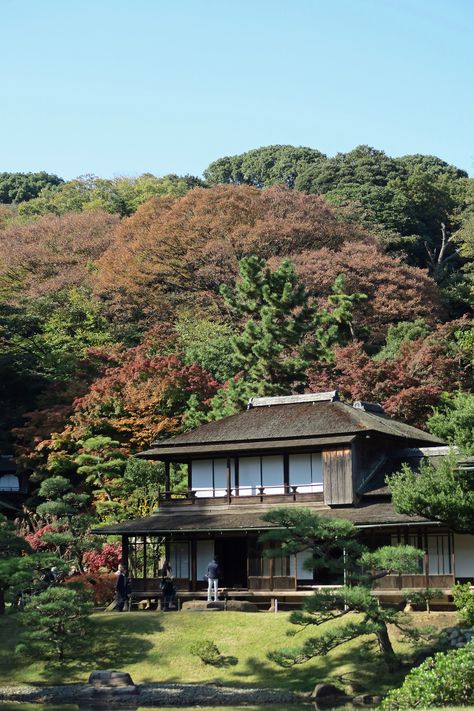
x,y
121,588
212,579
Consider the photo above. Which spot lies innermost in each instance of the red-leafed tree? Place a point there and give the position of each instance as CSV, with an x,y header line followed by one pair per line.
x,y
143,397
408,385
106,558
54,252
395,291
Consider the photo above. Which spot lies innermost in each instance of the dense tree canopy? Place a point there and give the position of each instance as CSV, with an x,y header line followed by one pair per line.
x,y
263,167
20,187
120,196
175,251
395,291
418,206
53,252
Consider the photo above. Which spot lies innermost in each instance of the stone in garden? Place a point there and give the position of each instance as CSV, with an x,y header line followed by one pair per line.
x,y
355,687
234,605
324,691
199,606
241,606
108,678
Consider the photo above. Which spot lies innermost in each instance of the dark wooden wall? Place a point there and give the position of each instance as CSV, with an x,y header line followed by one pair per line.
x,y
337,476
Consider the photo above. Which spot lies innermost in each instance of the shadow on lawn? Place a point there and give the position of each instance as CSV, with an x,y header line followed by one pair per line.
x,y
113,645
363,666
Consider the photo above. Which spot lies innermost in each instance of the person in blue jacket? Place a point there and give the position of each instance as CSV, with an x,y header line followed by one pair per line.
x,y
213,579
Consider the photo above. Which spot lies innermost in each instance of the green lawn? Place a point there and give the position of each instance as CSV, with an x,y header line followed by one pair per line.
x,y
154,647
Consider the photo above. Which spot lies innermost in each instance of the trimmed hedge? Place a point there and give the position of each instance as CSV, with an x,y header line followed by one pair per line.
x,y
443,680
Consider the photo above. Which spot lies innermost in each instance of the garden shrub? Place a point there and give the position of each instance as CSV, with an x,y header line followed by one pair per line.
x,y
56,624
206,650
100,585
464,602
443,680
422,598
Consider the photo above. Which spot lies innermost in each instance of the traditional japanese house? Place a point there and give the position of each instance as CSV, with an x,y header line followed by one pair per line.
x,y
301,451
13,486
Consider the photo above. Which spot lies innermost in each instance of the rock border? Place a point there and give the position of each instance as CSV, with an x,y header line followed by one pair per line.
x,y
151,695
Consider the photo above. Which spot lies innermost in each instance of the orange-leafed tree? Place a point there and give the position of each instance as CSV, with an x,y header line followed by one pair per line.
x,y
54,252
395,291
179,251
409,384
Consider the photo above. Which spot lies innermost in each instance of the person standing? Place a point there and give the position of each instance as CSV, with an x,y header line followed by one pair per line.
x,y
213,579
166,571
121,588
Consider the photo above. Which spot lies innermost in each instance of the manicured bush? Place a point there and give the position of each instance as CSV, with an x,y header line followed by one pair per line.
x,y
206,650
443,680
101,586
56,624
422,598
463,599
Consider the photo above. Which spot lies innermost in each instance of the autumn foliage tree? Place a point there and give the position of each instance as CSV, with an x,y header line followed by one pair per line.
x,y
55,251
395,291
408,385
178,251
143,396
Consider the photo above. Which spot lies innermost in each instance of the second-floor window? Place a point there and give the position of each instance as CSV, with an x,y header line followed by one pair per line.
x,y
255,475
306,471
209,476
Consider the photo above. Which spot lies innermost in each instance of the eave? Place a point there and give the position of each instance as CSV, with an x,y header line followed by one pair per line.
x,y
244,521
177,453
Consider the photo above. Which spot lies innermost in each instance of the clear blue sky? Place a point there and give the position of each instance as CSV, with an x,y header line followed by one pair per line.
x,y
120,87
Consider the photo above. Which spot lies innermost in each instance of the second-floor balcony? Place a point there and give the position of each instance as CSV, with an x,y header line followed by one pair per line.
x,y
243,494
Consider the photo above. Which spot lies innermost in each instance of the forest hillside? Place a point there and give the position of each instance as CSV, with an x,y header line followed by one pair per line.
x,y
136,308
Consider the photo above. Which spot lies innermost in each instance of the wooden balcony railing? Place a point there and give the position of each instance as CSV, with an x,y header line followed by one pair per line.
x,y
290,492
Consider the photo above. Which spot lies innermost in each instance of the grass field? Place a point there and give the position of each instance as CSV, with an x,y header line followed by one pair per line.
x,y
154,647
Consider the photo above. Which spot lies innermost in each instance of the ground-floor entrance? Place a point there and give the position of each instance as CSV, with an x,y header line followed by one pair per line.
x,y
232,556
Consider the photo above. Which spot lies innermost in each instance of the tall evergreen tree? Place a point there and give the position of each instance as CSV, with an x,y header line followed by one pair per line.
x,y
282,332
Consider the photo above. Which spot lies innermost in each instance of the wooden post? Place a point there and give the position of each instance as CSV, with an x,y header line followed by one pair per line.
x,y
286,473
144,561
236,475
193,565
228,480
167,480
190,476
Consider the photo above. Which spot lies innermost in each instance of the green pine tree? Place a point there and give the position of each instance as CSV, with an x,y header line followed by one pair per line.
x,y
281,332
56,624
335,540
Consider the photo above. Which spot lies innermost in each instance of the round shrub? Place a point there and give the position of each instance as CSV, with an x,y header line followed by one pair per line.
x,y
206,650
463,599
443,680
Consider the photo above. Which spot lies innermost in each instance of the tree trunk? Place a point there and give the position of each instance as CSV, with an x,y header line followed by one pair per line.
x,y
2,601
385,647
